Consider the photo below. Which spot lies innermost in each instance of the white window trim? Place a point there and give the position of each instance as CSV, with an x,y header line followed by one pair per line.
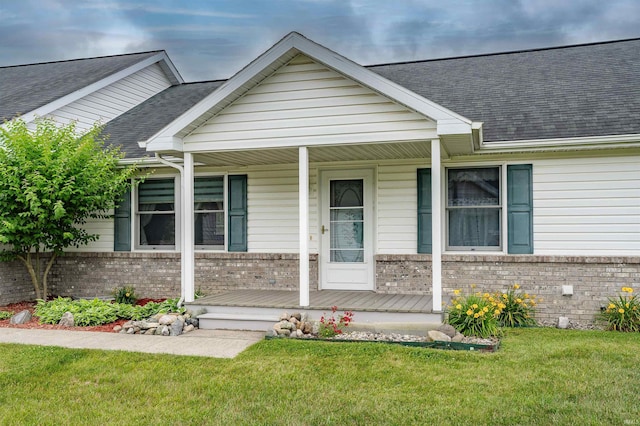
x,y
502,206
210,248
135,217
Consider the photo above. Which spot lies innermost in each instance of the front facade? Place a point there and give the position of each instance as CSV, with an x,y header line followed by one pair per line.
x,y
308,172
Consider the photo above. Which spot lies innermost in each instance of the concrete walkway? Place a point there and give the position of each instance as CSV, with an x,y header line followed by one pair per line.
x,y
209,343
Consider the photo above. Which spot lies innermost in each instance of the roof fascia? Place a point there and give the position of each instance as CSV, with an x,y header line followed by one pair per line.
x,y
161,57
577,143
448,122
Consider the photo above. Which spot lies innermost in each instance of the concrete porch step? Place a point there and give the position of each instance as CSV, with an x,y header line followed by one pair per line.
x,y
262,319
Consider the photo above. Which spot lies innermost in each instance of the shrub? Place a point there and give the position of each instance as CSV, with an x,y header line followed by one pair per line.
x,y
5,315
473,315
330,327
125,294
516,308
623,312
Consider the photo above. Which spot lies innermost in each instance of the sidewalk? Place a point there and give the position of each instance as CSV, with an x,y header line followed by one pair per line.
x,y
209,343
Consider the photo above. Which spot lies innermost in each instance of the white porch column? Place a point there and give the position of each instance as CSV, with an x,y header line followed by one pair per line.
x,y
188,257
303,218
436,234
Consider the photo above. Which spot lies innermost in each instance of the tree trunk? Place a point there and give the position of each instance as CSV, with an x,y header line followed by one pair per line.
x,y
32,273
45,275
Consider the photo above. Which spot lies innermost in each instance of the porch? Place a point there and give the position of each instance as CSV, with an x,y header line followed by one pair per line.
x,y
261,309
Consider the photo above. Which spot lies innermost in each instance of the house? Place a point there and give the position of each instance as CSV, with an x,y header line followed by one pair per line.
x,y
306,175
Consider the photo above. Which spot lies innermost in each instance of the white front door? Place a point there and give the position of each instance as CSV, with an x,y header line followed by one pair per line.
x,y
346,230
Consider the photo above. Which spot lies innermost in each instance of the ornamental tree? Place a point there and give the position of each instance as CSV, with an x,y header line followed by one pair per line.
x,y
52,179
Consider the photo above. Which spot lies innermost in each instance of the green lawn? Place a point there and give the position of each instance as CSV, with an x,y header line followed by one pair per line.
x,y
539,376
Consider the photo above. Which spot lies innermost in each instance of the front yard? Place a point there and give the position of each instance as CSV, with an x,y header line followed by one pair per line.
x,y
539,376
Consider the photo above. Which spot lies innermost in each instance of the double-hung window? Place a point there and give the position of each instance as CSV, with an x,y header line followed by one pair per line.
x,y
474,208
209,212
156,213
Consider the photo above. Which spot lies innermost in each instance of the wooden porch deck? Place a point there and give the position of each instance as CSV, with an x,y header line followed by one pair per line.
x,y
362,301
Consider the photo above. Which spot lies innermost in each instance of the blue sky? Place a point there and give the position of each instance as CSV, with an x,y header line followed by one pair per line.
x,y
214,39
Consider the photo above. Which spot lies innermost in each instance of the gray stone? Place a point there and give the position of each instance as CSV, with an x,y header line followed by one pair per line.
x,y
117,328
285,333
188,328
286,325
123,331
272,333
277,328
447,329
563,322
307,328
297,315
284,316
130,330
165,330
21,317
167,319
299,333
436,335
294,321
458,337
176,327
150,331
147,325
67,320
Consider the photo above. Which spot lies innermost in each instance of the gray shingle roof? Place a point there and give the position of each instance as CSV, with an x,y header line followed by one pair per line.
x,y
146,119
574,91
24,88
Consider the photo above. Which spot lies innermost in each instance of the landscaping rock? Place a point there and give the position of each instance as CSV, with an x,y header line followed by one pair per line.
x,y
307,328
67,320
176,327
563,322
117,328
165,330
448,330
21,317
458,337
297,316
436,335
188,328
167,319
284,316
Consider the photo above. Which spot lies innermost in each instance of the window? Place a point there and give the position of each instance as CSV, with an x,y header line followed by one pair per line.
x,y
474,208
209,211
156,213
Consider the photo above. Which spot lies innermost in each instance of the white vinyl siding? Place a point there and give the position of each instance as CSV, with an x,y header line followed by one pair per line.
x,y
305,102
102,227
397,204
115,99
588,206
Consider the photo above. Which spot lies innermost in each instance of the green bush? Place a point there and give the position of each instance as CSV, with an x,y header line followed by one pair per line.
x,y
5,315
98,312
516,308
125,294
622,313
473,315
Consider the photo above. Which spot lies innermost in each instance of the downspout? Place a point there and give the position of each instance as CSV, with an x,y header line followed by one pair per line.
x,y
182,227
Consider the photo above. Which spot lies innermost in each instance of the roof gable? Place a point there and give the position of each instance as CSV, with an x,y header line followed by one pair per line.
x,y
169,138
37,89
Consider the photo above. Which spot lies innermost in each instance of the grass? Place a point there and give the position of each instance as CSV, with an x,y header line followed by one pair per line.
x,y
539,376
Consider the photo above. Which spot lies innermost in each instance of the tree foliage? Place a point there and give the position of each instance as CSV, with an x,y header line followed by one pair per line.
x,y
52,179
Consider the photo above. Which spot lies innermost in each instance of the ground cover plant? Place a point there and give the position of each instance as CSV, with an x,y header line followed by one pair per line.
x,y
97,312
540,376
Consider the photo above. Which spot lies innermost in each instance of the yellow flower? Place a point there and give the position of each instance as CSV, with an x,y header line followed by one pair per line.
x,y
611,306
629,290
621,310
127,294
519,300
469,312
516,286
504,296
627,305
456,292
458,306
497,312
473,286
476,315
486,296
526,296
474,306
502,306
486,309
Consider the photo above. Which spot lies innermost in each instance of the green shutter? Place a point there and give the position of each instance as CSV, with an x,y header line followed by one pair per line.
x,y
520,209
237,211
424,211
122,224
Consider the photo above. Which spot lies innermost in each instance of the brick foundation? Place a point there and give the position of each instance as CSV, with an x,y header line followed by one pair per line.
x,y
594,279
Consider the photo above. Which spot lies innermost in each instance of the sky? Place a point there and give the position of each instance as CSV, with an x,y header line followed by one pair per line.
x,y
214,39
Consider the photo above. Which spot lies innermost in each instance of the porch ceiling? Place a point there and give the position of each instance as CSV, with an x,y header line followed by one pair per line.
x,y
386,151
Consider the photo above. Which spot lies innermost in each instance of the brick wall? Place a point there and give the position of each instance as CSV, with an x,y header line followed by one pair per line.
x,y
155,275
594,279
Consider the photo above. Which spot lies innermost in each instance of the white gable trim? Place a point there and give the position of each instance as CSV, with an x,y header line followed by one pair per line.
x,y
448,122
576,143
160,57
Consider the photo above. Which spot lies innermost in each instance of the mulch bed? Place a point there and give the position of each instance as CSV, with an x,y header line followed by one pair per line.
x,y
30,306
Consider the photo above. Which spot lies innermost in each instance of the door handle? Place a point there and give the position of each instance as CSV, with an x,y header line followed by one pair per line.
x,y
324,229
